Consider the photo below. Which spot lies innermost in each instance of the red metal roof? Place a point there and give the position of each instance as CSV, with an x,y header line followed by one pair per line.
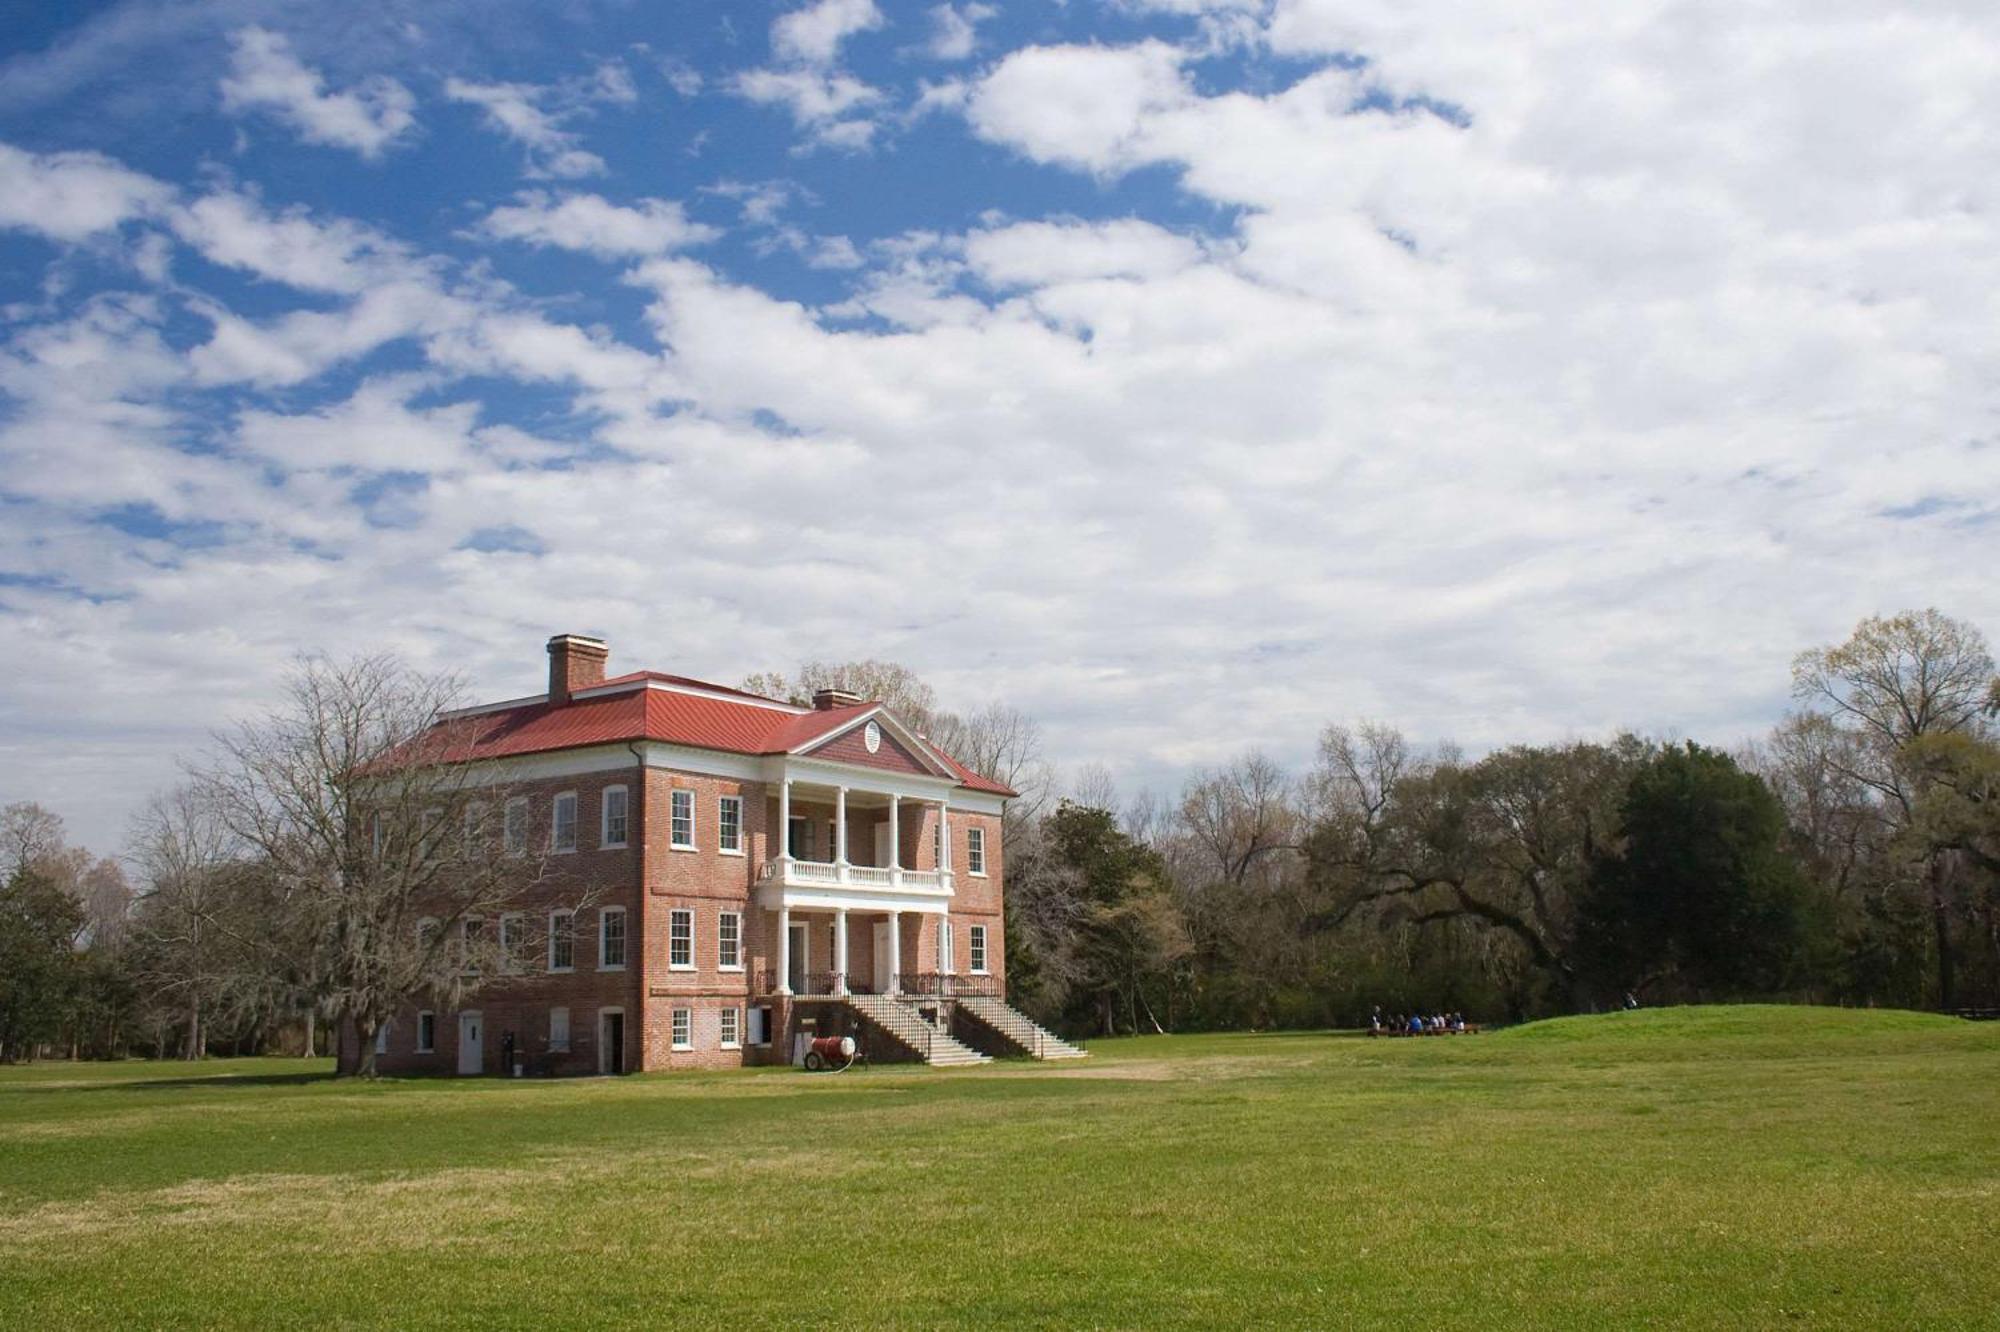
x,y
672,716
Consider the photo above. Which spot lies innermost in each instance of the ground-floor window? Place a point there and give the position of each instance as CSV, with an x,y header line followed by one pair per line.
x,y
559,1030
683,1029
426,1033
732,1028
976,951
382,1039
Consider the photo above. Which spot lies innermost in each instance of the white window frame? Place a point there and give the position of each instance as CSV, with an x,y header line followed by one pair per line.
x,y
513,933
675,919
605,915
424,1046
568,919
681,1032
559,1046
975,852
515,845
605,841
730,1016
470,928
674,799
474,837
976,950
722,805
556,848
725,947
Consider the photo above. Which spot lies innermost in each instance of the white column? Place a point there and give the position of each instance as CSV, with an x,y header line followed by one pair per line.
x,y
895,843
895,952
840,838
784,948
840,949
784,851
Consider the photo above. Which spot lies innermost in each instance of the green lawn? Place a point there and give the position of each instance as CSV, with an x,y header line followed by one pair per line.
x,y
1739,1167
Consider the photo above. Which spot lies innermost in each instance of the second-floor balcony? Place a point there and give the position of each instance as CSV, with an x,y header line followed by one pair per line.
x,y
794,872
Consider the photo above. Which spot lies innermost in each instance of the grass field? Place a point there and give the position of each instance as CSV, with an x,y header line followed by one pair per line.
x,y
1727,1167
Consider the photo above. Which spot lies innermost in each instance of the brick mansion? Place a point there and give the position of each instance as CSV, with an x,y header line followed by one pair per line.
x,y
726,876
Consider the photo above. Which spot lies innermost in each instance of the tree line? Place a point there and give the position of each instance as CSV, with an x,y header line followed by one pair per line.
x,y
326,862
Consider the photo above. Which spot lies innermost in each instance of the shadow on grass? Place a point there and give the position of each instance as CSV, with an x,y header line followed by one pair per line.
x,y
169,1083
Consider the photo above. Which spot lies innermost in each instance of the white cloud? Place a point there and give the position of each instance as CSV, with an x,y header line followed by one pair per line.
x,y
515,110
266,75
821,104
593,224
813,35
72,196
1084,106
1041,254
955,30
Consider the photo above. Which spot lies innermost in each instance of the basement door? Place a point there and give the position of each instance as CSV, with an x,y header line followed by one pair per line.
x,y
471,1049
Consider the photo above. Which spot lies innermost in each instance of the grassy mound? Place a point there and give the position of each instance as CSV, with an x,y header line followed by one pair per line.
x,y
1797,1022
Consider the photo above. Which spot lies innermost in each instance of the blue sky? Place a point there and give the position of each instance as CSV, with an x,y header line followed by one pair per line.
x,y
1190,375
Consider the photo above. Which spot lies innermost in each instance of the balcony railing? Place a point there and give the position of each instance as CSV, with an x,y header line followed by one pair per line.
x,y
829,874
813,985
951,985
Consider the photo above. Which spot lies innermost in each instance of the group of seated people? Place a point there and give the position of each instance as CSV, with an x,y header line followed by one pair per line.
x,y
1417,1024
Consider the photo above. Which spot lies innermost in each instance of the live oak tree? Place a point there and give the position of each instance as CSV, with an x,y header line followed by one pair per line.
x,y
383,844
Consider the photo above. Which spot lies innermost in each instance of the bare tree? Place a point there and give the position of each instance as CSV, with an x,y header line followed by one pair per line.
x,y
886,682
383,838
182,955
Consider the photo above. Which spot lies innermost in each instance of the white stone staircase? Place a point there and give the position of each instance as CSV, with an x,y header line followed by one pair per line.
x,y
1018,1029
899,1017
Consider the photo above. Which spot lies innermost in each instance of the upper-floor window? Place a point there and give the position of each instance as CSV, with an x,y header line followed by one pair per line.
x,y
729,824
513,941
562,940
562,823
729,941
471,943
937,842
611,939
975,851
976,950
475,831
683,819
680,939
517,826
616,807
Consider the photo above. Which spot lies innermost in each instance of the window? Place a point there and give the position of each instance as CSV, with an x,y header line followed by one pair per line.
x,y
976,954
562,825
975,851
427,934
944,946
683,1029
513,941
611,939
382,1039
615,822
562,940
426,1033
798,838
471,943
475,831
729,941
516,831
937,842
832,841
680,939
729,824
559,1029
430,835
732,1028
683,831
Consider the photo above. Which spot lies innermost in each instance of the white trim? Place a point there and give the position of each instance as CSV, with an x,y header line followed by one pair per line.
x,y
604,842
722,1036
975,950
741,834
604,915
693,842
980,833
576,806
828,897
721,916
688,965
505,705
673,1021
551,959
432,1047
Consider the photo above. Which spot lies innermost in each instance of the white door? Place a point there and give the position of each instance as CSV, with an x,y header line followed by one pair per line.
x,y
882,845
471,1051
881,957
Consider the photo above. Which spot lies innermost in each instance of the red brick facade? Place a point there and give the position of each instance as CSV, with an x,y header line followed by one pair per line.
x,y
652,878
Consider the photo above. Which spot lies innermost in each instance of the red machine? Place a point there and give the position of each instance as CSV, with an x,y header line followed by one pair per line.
x,y
830,1054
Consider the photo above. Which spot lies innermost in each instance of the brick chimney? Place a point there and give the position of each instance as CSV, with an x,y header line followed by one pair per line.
x,y
575,662
834,698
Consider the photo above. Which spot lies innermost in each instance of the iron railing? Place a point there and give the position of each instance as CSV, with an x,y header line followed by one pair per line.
x,y
951,985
